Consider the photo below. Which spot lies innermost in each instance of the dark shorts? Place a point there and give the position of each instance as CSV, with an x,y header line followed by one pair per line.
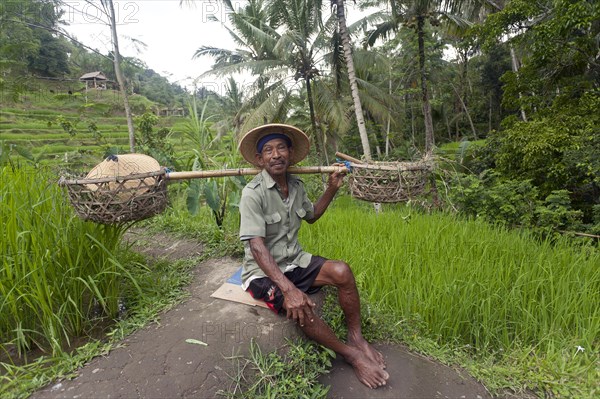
x,y
303,278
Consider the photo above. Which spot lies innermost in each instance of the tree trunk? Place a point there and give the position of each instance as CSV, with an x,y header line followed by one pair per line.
x,y
490,115
319,145
413,126
387,136
360,120
464,107
119,73
515,68
448,128
389,118
429,138
463,92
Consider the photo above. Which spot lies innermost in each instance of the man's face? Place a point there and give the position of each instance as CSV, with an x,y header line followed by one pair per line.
x,y
275,157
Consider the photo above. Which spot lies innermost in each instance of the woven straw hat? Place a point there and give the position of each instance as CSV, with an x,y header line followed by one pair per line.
x,y
300,142
122,166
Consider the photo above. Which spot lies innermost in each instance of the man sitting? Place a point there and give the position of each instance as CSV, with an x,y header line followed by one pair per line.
x,y
276,269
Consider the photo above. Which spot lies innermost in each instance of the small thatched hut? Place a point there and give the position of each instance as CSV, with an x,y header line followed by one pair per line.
x,y
97,78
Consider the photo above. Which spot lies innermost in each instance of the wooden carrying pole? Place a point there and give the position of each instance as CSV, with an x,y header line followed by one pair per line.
x,y
298,170
199,174
348,158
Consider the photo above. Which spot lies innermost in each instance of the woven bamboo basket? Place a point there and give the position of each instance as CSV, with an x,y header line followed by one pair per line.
x,y
389,181
120,189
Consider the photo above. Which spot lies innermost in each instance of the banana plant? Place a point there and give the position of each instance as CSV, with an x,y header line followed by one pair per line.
x,y
222,195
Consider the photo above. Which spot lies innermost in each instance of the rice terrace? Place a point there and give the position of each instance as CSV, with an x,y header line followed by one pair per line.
x,y
469,136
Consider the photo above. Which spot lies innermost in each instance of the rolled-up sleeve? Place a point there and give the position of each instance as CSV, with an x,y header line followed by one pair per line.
x,y
252,221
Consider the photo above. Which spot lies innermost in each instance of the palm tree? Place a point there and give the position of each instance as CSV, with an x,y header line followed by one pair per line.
x,y
231,107
282,43
345,37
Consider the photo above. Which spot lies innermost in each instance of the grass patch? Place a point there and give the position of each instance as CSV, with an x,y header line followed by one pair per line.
x,y
59,274
292,375
64,281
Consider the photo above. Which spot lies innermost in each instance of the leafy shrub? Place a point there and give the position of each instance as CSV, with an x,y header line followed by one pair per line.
x,y
514,203
553,161
511,202
67,124
557,212
155,143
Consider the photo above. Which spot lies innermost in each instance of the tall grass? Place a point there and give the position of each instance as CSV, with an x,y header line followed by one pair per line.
x,y
467,282
59,274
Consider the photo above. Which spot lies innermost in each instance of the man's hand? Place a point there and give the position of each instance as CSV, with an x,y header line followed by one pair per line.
x,y
298,306
336,179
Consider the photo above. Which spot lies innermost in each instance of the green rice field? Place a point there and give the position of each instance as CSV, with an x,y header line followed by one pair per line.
x,y
466,284
35,124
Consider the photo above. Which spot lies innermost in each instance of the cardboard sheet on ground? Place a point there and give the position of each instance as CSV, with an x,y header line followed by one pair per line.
x,y
232,290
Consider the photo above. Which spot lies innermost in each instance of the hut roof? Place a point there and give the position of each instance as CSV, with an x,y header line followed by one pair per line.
x,y
93,76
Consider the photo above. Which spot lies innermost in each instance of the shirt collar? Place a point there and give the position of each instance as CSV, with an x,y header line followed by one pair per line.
x,y
270,183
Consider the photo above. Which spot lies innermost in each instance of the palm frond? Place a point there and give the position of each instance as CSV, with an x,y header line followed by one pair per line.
x,y
370,62
377,102
382,31
269,110
334,109
219,54
259,37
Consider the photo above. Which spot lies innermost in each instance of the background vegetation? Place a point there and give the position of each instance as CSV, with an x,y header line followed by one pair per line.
x,y
506,93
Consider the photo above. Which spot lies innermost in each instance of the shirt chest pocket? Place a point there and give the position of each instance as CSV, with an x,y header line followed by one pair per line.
x,y
301,213
305,210
273,224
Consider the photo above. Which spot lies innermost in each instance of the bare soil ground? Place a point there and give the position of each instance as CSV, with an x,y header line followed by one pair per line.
x,y
157,362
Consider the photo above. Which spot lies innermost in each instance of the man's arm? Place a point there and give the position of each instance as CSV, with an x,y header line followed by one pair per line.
x,y
296,303
336,179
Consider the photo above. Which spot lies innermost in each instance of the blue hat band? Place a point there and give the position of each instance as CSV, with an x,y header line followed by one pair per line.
x,y
264,140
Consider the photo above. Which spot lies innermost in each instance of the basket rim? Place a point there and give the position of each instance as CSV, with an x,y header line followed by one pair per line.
x,y
69,182
395,166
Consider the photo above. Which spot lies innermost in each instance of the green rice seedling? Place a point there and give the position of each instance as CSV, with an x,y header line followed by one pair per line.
x,y
471,284
58,273
31,113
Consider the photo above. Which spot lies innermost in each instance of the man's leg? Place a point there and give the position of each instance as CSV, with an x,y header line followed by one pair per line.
x,y
368,372
340,275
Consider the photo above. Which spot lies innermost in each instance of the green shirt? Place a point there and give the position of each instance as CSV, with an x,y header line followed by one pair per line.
x,y
264,213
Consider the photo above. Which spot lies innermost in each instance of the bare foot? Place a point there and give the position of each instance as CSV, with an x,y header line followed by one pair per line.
x,y
367,349
367,371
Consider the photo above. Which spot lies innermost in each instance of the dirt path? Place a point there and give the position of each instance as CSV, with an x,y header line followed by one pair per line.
x,y
157,362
